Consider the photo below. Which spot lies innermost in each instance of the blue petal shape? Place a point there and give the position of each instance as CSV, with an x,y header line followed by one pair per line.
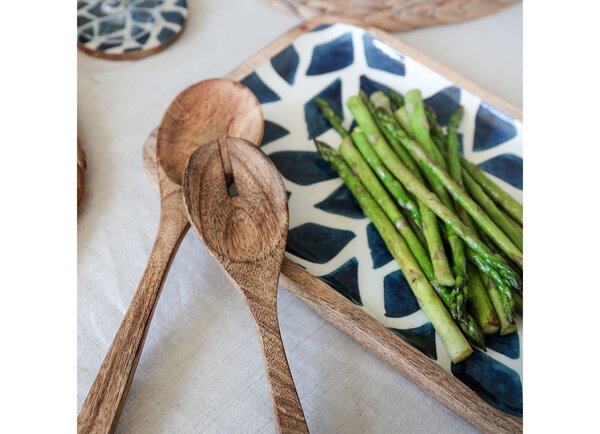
x,y
507,167
143,38
321,27
379,251
107,27
370,86
342,202
345,281
82,21
332,56
507,345
260,89
97,11
148,4
316,243
273,132
315,121
165,34
398,298
182,3
83,38
142,16
494,382
389,60
88,31
173,17
302,167
136,30
106,46
286,64
492,127
81,4
422,338
444,103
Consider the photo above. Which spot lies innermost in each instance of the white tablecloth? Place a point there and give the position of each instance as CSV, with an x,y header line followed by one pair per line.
x,y
202,369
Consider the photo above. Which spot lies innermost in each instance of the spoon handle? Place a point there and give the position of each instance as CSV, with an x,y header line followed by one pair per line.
x,y
288,410
105,399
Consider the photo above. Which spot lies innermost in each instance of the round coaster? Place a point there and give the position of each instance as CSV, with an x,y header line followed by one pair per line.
x,y
128,29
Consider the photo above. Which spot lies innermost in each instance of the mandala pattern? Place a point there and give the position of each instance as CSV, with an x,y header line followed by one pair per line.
x,y
329,234
117,27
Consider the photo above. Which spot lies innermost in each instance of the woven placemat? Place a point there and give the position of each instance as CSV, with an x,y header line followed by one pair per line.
x,y
395,15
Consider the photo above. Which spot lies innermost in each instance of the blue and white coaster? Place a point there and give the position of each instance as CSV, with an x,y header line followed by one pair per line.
x,y
128,29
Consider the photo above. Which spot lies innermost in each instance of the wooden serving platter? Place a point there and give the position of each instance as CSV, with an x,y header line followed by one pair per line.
x,y
363,323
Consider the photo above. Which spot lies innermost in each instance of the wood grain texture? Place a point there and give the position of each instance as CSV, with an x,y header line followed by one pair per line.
x,y
105,399
247,235
395,15
203,112
348,317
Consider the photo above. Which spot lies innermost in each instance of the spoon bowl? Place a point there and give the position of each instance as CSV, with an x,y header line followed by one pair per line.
x,y
247,235
209,110
249,226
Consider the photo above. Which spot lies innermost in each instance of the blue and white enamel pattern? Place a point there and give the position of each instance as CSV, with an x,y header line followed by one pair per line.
x,y
329,234
120,27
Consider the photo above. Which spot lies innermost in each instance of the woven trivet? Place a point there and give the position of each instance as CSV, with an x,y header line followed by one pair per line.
x,y
395,15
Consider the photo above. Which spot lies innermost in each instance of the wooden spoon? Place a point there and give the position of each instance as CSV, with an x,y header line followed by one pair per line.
x,y
247,235
226,107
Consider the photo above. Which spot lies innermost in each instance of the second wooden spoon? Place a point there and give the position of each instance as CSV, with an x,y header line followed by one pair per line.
x,y
209,109
247,235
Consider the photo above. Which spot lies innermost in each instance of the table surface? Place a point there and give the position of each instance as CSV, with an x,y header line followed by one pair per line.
x,y
202,368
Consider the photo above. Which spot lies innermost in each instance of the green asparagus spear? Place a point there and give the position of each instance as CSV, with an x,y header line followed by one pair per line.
x,y
480,303
507,325
380,99
454,341
512,229
451,298
332,117
391,183
412,184
418,120
453,146
480,217
454,163
402,118
502,198
389,126
361,168
518,301
396,100
441,267
504,303
437,133
415,107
